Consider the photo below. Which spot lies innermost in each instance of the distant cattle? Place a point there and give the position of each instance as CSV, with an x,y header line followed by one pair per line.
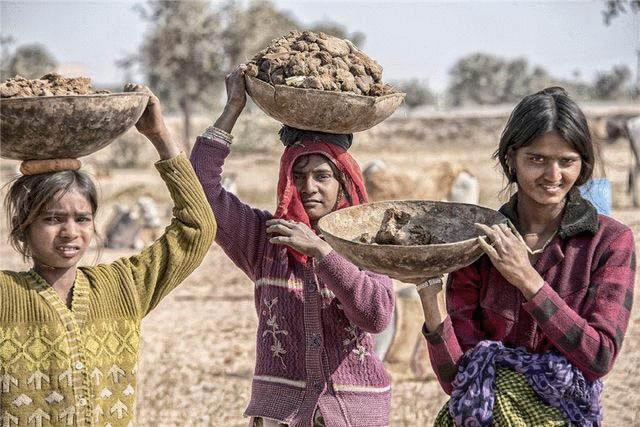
x,y
401,345
632,127
133,226
443,181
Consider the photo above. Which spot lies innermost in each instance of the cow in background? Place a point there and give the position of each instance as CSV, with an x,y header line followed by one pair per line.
x,y
401,345
632,127
443,181
135,226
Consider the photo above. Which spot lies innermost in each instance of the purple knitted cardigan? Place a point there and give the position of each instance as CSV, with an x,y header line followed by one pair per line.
x,y
314,347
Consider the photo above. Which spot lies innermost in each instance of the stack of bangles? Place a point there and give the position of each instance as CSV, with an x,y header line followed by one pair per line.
x,y
430,283
214,132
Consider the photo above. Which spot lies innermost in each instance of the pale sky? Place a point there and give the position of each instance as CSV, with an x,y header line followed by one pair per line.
x,y
421,39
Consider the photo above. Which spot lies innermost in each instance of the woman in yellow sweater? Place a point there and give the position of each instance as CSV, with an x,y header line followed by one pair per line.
x,y
70,335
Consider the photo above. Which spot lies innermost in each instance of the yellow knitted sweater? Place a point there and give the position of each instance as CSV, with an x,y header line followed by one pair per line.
x,y
77,367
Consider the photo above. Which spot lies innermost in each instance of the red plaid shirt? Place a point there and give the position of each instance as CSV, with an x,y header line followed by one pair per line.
x,y
582,311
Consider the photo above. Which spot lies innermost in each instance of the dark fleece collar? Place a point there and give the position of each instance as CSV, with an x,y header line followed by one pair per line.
x,y
579,214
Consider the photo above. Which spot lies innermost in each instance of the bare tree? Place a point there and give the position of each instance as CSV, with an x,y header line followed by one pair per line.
x,y
182,54
191,45
614,8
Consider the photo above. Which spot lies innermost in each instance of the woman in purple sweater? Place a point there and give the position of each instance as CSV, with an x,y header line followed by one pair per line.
x,y
530,329
315,363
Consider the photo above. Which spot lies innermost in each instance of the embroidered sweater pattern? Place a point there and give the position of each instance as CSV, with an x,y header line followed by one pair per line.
x,y
313,345
77,367
581,312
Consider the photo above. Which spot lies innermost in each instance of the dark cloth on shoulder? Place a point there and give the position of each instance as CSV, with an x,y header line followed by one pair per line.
x,y
290,135
579,214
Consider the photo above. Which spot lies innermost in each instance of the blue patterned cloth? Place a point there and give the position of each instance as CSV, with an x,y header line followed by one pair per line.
x,y
552,376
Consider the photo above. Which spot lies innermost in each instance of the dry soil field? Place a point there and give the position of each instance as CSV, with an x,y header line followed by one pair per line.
x,y
198,344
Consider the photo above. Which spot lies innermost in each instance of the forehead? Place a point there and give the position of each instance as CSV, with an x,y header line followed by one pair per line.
x,y
71,200
550,143
311,162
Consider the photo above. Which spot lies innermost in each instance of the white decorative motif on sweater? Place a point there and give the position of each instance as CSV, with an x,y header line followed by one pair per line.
x,y
67,416
128,391
7,381
277,350
54,397
66,375
119,409
116,373
98,412
38,417
8,419
36,380
97,375
356,338
22,400
327,293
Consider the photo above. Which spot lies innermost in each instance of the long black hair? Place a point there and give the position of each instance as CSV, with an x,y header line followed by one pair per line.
x,y
549,110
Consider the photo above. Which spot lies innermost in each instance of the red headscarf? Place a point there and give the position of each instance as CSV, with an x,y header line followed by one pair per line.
x,y
289,204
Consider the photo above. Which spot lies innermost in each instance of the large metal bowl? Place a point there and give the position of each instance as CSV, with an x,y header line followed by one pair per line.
x,y
321,110
450,222
67,126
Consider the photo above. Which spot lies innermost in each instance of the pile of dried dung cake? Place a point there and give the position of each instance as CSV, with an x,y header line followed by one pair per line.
x,y
48,85
400,228
318,61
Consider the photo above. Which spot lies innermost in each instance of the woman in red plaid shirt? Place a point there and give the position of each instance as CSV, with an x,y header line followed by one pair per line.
x,y
526,333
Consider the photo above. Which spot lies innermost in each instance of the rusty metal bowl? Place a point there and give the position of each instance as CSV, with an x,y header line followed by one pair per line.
x,y
67,126
321,110
452,223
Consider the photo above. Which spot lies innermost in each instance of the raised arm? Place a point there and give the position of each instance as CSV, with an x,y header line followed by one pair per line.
x,y
151,124
153,273
240,227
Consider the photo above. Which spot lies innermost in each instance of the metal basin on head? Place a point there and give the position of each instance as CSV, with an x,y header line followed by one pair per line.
x,y
451,223
65,126
321,110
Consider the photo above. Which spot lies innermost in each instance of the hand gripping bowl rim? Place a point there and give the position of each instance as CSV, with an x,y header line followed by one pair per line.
x,y
413,274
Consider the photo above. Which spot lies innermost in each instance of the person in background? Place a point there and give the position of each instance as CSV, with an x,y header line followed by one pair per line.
x,y
525,334
315,363
70,335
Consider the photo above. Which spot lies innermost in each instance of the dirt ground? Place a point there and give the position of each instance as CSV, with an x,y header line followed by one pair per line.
x,y
198,345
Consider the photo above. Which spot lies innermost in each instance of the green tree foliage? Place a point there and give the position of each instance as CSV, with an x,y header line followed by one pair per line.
x,y
485,79
612,85
417,93
30,61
